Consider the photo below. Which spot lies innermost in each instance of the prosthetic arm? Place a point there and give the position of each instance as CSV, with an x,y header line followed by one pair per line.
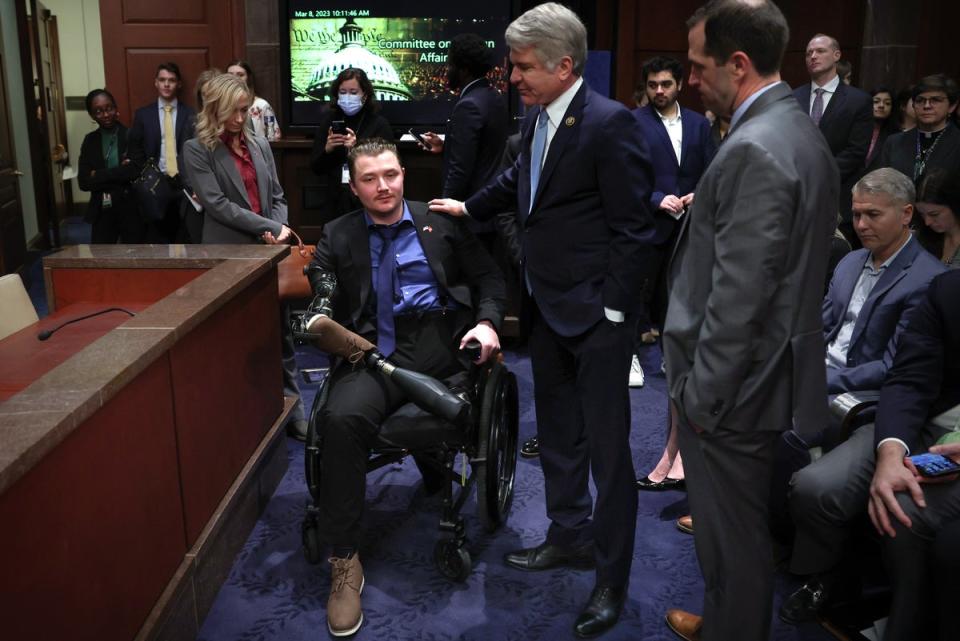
x,y
317,325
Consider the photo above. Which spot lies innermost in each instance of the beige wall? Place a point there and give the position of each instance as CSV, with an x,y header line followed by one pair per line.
x,y
81,58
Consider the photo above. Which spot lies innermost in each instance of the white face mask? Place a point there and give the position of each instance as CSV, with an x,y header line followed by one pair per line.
x,y
350,103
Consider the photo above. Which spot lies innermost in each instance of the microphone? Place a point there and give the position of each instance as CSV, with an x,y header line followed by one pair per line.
x,y
47,333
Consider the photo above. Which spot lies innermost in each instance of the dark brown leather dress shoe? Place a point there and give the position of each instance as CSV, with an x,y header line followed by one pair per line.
x,y
685,524
546,556
684,625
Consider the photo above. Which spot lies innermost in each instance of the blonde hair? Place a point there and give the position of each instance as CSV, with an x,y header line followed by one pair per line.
x,y
221,95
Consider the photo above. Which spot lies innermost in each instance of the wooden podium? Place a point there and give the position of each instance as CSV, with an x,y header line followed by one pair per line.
x,y
137,453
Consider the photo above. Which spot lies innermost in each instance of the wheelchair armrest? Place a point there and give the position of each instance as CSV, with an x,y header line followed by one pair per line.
x,y
847,408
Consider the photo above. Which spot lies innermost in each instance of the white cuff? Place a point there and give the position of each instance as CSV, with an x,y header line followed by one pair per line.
x,y
613,315
906,450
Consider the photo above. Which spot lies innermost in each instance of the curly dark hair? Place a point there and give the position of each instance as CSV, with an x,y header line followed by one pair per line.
x,y
88,101
355,73
469,51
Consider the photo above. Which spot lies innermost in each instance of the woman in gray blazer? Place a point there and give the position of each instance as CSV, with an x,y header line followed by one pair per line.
x,y
234,178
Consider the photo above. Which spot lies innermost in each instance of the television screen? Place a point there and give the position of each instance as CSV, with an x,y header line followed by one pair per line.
x,y
401,46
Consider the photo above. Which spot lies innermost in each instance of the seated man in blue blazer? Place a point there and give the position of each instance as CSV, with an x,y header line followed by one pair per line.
x,y
681,147
919,402
865,312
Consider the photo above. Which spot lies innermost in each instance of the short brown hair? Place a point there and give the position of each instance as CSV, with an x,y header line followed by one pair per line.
x,y
755,27
370,147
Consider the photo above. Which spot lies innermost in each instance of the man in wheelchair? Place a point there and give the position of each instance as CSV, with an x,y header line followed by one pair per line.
x,y
420,286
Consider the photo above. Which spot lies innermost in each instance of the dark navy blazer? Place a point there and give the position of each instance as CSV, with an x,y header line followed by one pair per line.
x,y
587,234
145,137
696,151
882,318
925,378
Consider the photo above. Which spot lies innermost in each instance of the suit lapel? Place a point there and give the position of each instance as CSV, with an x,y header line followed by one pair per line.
x,y
890,277
686,139
568,126
526,141
229,167
845,284
836,101
428,241
359,250
661,130
260,165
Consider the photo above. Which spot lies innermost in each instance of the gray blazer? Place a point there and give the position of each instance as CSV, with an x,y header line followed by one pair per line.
x,y
227,216
743,341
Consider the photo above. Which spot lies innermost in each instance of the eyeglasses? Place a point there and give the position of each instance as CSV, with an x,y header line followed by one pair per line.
x,y
932,101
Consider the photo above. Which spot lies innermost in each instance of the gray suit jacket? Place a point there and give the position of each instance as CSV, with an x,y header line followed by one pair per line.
x,y
227,216
743,341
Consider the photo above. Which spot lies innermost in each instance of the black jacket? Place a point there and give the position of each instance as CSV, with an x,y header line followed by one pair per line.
x,y
462,267
900,152
114,181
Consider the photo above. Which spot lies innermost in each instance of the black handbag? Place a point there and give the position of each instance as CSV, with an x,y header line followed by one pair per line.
x,y
153,190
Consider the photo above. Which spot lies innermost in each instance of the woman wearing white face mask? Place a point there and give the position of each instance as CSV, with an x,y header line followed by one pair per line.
x,y
354,106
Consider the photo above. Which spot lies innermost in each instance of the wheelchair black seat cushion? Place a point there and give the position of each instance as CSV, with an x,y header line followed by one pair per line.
x,y
412,428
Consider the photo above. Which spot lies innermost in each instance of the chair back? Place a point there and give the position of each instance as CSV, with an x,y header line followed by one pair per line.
x,y
16,308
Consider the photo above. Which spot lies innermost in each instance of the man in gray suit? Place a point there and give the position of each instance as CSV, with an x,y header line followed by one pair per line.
x,y
743,340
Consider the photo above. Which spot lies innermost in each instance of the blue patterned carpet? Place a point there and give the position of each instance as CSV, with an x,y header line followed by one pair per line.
x,y
272,592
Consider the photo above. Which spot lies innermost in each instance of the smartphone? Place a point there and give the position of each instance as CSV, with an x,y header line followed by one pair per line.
x,y
339,127
933,465
423,141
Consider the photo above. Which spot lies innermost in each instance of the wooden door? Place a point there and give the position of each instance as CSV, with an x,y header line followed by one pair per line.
x,y
13,245
55,115
140,34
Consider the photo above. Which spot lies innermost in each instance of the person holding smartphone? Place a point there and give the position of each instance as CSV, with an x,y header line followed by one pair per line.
x,y
353,115
920,399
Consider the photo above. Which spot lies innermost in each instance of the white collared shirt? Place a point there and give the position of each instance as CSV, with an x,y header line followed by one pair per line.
x,y
828,90
555,111
162,160
674,130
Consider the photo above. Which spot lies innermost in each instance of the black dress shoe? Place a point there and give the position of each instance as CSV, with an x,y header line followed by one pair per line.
x,y
601,612
546,556
805,603
530,448
666,484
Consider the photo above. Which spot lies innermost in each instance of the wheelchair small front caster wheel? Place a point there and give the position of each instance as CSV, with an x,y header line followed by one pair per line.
x,y
452,560
311,542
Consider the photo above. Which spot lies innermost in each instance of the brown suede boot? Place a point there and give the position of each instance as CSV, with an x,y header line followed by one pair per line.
x,y
344,616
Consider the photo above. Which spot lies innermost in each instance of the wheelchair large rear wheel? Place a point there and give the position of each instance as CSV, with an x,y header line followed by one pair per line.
x,y
498,431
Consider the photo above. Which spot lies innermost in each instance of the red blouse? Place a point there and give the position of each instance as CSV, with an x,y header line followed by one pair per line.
x,y
248,173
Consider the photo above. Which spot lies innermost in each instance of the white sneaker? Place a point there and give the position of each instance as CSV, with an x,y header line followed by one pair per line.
x,y
636,373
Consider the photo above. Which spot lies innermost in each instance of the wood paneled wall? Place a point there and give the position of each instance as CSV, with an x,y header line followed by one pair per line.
x,y
140,34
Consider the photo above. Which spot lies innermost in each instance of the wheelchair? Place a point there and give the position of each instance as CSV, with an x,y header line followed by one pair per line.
x,y
488,439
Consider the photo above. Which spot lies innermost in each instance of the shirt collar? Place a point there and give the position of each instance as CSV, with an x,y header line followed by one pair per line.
x,y
558,107
468,85
752,98
666,120
886,263
161,102
406,218
830,87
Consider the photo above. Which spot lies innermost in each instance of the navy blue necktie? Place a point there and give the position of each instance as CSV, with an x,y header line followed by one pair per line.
x,y
386,330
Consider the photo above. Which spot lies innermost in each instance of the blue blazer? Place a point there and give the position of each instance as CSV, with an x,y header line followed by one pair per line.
x,y
925,378
145,138
696,151
587,233
882,318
